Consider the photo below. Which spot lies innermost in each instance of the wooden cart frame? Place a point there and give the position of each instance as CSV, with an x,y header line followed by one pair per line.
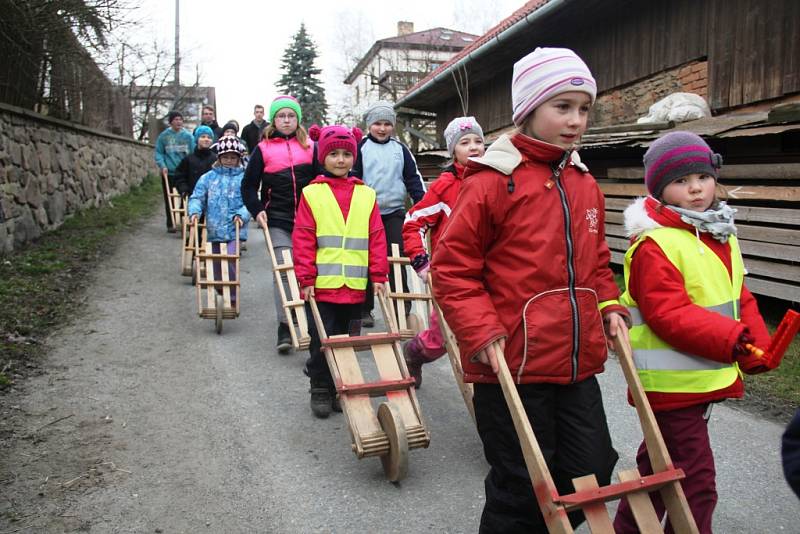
x,y
214,296
189,248
177,207
588,496
294,308
420,298
397,426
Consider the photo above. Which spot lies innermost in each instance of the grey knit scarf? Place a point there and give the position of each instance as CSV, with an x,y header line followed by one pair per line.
x,y
716,221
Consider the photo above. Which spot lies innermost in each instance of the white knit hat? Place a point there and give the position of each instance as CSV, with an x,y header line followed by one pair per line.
x,y
545,73
458,128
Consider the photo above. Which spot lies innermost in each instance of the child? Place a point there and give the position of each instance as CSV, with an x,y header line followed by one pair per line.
x,y
464,138
524,263
692,313
172,145
281,167
336,216
387,166
196,164
218,195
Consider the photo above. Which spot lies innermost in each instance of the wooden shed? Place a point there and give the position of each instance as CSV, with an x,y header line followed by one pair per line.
x,y
742,56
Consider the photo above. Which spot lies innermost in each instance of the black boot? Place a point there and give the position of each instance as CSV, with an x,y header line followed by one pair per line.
x,y
336,405
284,339
321,400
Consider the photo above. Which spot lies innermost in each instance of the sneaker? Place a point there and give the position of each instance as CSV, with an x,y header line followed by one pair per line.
x,y
367,320
321,401
413,361
284,339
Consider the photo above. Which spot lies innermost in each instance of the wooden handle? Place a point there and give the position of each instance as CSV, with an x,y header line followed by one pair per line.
x,y
317,318
388,315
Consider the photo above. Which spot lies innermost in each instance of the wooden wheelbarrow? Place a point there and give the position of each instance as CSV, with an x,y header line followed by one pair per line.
x,y
397,425
177,206
418,295
293,304
215,298
190,247
588,496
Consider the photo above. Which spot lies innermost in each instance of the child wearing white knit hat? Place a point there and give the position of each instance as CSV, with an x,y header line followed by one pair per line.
x,y
524,265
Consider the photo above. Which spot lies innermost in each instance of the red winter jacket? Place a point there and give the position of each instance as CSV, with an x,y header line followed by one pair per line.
x,y
432,212
528,262
304,243
657,287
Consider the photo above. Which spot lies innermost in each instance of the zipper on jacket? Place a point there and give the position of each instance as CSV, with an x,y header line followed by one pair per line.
x,y
573,300
294,180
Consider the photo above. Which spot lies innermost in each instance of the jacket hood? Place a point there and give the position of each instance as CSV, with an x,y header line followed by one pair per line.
x,y
504,157
647,213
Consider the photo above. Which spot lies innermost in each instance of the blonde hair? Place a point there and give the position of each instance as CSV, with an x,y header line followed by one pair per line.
x,y
300,134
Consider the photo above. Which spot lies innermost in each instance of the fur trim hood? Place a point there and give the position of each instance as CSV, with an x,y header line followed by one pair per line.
x,y
637,220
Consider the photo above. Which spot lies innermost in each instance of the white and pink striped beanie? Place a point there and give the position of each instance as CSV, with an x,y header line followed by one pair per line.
x,y
545,73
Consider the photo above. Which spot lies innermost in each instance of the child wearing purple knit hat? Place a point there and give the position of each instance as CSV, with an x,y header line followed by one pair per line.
x,y
524,263
693,314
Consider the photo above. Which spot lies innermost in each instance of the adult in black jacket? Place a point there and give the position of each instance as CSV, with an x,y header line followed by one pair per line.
x,y
196,164
209,118
251,133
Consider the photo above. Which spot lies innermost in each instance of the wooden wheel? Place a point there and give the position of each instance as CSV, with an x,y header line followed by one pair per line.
x,y
195,269
395,462
220,306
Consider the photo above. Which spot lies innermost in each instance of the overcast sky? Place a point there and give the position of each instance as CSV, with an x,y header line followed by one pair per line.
x,y
238,44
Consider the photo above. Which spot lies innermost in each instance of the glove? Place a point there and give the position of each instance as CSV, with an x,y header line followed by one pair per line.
x,y
748,362
421,264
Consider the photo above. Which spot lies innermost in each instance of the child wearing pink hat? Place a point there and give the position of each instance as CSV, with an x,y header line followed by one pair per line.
x,y
524,263
338,244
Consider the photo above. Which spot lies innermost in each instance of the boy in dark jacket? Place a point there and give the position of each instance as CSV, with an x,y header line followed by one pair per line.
x,y
524,263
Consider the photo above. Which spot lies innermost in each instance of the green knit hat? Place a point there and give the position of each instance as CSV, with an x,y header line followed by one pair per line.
x,y
285,101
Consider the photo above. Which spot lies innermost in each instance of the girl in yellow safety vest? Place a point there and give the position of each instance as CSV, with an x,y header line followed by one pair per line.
x,y
338,244
692,314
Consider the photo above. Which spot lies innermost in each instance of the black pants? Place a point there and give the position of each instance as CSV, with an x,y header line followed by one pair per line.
x,y
570,425
393,226
337,319
171,180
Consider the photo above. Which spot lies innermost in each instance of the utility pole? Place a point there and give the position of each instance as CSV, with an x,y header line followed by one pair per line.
x,y
177,51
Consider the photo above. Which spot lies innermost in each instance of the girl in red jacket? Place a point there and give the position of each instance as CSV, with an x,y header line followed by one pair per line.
x,y
692,313
339,243
464,138
524,262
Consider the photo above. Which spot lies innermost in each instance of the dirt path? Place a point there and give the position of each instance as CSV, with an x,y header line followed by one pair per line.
x,y
146,421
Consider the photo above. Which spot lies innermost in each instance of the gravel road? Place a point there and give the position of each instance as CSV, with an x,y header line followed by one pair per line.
x,y
169,427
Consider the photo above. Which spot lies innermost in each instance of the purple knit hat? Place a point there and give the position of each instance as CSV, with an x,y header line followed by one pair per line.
x,y
676,155
545,73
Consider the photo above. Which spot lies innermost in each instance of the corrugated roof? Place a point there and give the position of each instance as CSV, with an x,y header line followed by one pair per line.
x,y
503,25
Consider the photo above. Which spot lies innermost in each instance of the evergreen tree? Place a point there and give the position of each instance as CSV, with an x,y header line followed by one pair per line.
x,y
300,77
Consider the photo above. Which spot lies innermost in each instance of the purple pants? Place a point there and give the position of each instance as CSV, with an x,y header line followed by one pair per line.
x,y
685,433
230,248
431,341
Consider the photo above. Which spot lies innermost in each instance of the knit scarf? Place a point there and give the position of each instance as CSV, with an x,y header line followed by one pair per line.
x,y
717,221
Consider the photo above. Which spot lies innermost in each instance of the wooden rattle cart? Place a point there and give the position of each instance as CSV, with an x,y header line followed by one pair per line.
x,y
397,425
420,299
189,248
214,297
177,207
294,308
588,496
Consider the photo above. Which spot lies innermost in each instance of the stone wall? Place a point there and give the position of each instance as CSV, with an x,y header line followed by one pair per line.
x,y
49,169
624,105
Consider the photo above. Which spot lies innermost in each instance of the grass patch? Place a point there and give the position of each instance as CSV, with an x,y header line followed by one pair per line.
x,y
39,284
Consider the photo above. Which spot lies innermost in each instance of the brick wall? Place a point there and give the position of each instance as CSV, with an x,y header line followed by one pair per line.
x,y
51,168
625,104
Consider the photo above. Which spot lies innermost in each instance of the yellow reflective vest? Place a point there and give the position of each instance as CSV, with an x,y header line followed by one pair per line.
x,y
342,246
661,367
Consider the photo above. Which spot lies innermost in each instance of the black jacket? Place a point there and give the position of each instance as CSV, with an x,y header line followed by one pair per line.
x,y
192,167
251,134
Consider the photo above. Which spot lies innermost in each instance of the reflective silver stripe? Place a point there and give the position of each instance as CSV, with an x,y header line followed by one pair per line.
x,y
355,271
329,241
356,243
722,309
329,269
673,360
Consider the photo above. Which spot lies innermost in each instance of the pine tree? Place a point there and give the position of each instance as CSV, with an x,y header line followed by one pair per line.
x,y
300,77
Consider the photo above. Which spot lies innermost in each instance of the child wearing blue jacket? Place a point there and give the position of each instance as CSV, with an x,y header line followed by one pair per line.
x,y
386,165
218,194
